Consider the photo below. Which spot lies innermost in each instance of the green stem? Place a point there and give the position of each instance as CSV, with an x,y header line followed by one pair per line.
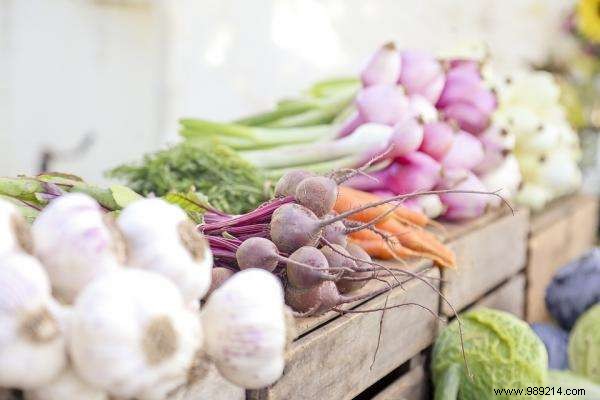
x,y
21,188
256,137
448,384
318,168
202,126
262,119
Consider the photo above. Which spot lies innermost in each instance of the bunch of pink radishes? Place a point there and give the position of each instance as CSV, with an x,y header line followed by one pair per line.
x,y
443,138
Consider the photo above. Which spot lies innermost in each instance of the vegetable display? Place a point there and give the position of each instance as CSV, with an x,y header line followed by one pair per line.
x,y
501,352
422,117
556,341
77,323
547,148
308,235
215,172
584,345
574,289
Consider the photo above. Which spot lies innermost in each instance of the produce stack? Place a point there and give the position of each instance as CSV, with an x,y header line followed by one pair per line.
x,y
93,307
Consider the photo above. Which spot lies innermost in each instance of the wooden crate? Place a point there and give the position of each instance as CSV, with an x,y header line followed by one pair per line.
x,y
559,234
509,297
213,387
488,250
412,385
336,360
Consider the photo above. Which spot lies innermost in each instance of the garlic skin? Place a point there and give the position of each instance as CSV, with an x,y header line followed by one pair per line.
x,y
15,234
74,243
32,345
245,328
68,385
132,335
161,238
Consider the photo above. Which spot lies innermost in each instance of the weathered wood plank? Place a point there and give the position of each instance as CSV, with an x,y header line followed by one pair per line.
x,y
214,387
304,325
564,233
486,257
454,230
509,297
334,361
411,386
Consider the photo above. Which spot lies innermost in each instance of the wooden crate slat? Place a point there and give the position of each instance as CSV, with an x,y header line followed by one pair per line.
x,y
565,232
333,362
509,297
304,325
214,387
413,385
486,257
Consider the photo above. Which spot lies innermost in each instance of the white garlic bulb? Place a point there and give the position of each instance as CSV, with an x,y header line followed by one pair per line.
x,y
15,233
32,346
75,243
245,328
68,385
161,238
132,335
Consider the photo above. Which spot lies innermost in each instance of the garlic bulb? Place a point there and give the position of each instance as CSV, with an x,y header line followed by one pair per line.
x,y
162,239
132,335
15,233
245,328
74,243
68,385
32,346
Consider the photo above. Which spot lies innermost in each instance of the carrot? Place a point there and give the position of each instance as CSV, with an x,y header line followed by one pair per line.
x,y
420,241
349,199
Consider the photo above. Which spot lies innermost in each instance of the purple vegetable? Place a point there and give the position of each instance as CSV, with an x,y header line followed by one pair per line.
x,y
497,144
383,104
350,125
413,172
462,206
466,152
406,138
574,289
556,341
437,139
383,67
422,74
465,99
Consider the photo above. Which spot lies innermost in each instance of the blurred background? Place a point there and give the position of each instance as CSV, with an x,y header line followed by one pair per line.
x,y
87,84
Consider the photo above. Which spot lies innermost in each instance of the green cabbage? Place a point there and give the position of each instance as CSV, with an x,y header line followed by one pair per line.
x,y
501,350
584,345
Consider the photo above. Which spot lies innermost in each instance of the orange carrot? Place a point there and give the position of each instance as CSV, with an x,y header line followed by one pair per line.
x,y
349,199
420,241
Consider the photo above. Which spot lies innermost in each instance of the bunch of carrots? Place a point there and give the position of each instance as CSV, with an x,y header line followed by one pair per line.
x,y
399,232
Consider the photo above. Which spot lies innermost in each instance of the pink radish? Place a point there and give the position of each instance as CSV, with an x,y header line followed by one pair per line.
x,y
437,139
383,104
422,74
462,206
383,67
406,138
466,152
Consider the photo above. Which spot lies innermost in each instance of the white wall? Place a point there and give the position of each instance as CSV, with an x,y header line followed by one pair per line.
x,y
127,69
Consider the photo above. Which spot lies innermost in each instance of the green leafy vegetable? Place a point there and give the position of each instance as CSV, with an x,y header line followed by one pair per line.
x,y
584,345
217,172
501,351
